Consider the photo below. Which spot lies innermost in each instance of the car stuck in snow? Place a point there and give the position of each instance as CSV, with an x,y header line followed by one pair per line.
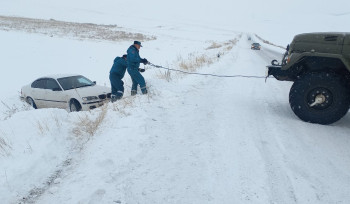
x,y
70,92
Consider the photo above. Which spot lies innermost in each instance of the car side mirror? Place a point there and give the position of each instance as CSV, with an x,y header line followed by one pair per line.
x,y
94,82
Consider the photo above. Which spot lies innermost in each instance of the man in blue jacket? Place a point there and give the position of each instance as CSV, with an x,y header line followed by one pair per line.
x,y
116,75
134,61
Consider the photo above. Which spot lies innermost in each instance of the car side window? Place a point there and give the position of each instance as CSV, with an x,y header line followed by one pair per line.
x,y
52,85
39,84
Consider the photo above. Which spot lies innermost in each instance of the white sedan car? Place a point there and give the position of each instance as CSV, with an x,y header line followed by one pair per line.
x,y
70,92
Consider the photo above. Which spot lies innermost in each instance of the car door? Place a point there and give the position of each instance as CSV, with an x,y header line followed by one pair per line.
x,y
54,94
37,93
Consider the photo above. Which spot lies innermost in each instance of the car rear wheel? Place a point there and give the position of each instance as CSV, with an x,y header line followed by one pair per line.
x,y
74,106
321,98
31,102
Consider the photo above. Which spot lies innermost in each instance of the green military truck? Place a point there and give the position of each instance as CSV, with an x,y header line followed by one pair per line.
x,y
319,66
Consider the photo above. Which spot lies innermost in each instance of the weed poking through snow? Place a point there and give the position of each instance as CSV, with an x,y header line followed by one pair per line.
x,y
5,147
214,45
122,104
42,127
11,110
88,123
195,61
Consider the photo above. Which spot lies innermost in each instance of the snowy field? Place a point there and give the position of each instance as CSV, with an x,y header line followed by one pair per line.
x,y
192,139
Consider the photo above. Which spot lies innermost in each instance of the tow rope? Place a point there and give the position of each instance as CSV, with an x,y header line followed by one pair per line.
x,y
204,74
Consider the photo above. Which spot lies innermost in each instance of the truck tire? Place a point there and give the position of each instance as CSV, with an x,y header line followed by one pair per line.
x,y
328,89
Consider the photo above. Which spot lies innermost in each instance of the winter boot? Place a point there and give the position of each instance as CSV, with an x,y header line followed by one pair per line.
x,y
133,92
144,90
114,98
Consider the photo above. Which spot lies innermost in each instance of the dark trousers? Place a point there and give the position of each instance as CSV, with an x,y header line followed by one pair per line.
x,y
137,79
117,85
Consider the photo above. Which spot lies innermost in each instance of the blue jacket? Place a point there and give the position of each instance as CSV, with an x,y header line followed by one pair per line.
x,y
119,66
133,58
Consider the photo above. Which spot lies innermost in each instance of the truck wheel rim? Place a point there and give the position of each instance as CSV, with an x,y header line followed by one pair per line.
x,y
320,98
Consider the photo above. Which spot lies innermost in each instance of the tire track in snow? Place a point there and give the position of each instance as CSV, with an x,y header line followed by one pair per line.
x,y
35,193
279,187
295,142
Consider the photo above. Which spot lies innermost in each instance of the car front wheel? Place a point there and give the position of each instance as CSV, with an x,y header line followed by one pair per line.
x,y
321,98
74,106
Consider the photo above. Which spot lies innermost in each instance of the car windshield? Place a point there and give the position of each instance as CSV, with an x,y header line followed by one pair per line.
x,y
74,82
256,44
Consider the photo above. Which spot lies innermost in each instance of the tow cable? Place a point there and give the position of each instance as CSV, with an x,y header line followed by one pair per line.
x,y
204,74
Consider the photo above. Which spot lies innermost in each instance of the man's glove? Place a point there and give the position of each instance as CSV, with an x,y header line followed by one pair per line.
x,y
141,70
144,61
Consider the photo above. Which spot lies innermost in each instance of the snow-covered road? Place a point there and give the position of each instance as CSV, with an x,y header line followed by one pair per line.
x,y
192,139
213,140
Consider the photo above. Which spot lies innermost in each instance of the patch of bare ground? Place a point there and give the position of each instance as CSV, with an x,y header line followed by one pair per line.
x,y
81,31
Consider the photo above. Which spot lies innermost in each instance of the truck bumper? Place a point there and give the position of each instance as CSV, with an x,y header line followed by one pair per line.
x,y
277,72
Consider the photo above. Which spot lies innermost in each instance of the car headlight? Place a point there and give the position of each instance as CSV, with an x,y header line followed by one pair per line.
x,y
90,98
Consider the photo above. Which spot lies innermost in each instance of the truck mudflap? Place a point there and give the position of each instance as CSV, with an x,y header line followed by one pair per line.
x,y
277,72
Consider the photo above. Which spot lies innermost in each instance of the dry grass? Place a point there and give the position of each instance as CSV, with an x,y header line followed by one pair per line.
x,y
5,146
88,124
150,93
63,29
42,127
166,75
11,110
231,43
228,45
58,122
268,42
228,48
214,45
121,105
194,62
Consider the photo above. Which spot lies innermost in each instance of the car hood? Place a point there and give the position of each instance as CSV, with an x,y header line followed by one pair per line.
x,y
91,90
